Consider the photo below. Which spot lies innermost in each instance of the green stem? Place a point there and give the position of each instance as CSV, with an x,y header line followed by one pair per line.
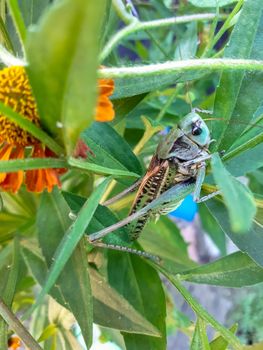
x,y
18,20
17,327
240,149
31,128
224,28
122,12
99,169
208,65
9,166
135,25
200,311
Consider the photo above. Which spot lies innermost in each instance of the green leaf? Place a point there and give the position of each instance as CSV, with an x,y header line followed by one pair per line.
x,y
124,106
239,94
187,44
125,87
72,234
48,332
133,278
110,309
249,242
211,227
74,267
211,3
234,270
110,149
32,10
113,311
200,340
71,238
102,218
239,200
17,20
220,343
62,69
163,239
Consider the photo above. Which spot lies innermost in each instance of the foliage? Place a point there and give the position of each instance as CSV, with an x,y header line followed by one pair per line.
x,y
162,67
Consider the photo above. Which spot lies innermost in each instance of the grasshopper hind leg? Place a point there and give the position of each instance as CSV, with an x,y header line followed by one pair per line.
x,y
126,250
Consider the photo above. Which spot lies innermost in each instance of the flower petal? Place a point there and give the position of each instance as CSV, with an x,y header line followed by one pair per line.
x,y
40,179
104,108
13,181
5,155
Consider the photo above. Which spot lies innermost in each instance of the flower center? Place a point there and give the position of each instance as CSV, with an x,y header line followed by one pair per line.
x,y
16,93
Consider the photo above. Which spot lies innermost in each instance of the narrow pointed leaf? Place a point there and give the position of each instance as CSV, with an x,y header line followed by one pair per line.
x,y
67,63
234,270
70,240
239,93
200,340
239,200
249,242
134,278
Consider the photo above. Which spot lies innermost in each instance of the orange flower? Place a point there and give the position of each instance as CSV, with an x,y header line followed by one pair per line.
x,y
14,343
104,110
15,91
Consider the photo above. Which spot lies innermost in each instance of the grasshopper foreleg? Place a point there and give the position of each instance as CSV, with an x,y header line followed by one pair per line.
x,y
198,185
209,196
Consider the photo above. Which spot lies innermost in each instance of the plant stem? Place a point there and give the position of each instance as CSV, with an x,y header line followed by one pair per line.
x,y
122,12
200,311
9,166
209,65
17,327
246,146
99,169
134,25
224,28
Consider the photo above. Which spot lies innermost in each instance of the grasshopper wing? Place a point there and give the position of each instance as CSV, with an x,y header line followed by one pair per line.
x,y
151,187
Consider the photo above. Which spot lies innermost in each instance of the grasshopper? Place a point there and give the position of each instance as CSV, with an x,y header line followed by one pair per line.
x,y
177,168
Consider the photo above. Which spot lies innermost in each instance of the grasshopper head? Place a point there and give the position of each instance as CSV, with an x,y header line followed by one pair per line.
x,y
196,129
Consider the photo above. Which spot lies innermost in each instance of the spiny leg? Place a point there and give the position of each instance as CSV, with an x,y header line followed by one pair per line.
x,y
209,196
126,250
204,111
198,185
199,181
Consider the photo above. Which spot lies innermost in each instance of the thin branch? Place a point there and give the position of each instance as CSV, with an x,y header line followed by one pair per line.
x,y
122,12
17,327
135,25
209,65
200,311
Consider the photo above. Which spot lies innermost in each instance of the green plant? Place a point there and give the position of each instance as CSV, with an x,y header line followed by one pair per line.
x,y
182,61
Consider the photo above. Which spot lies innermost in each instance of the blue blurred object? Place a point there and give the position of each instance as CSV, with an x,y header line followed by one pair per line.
x,y
187,209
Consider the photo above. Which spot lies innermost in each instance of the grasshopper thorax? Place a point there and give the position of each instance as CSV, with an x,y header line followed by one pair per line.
x,y
195,129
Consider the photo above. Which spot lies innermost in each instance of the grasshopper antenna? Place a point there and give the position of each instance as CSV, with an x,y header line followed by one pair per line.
x,y
187,92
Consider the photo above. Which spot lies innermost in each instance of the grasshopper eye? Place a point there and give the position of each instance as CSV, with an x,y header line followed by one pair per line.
x,y
196,130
